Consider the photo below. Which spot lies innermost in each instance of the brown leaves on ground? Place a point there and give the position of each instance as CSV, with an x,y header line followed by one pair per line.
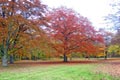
x,y
111,67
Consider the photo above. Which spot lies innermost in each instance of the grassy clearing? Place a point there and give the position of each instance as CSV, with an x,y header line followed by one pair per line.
x,y
53,72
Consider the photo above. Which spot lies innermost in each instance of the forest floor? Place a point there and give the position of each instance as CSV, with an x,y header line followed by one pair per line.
x,y
99,67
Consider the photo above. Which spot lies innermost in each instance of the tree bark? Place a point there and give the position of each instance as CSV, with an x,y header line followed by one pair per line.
x,y
106,54
4,57
4,61
65,58
11,59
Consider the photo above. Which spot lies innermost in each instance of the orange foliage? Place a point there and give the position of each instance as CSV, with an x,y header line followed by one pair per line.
x,y
19,22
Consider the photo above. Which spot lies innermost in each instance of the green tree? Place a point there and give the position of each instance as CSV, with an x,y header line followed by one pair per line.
x,y
114,49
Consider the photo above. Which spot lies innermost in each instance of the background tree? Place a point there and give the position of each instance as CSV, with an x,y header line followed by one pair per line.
x,y
115,44
107,40
70,31
116,38
113,19
38,47
114,50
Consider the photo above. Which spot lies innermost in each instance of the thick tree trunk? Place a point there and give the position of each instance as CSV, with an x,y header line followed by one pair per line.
x,y
4,61
11,59
65,58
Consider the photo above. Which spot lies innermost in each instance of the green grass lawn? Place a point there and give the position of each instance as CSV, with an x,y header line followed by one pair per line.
x,y
53,72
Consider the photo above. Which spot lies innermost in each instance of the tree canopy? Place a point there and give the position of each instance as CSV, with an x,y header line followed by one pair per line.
x,y
19,22
70,31
28,27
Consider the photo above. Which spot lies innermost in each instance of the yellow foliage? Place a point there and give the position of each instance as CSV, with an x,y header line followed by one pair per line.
x,y
101,54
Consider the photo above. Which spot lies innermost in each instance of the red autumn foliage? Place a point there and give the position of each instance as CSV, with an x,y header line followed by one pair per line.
x,y
71,32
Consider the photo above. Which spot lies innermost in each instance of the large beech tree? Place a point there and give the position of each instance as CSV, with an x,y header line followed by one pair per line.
x,y
70,32
19,21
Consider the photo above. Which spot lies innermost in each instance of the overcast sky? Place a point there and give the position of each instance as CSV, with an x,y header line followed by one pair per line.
x,y
94,10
